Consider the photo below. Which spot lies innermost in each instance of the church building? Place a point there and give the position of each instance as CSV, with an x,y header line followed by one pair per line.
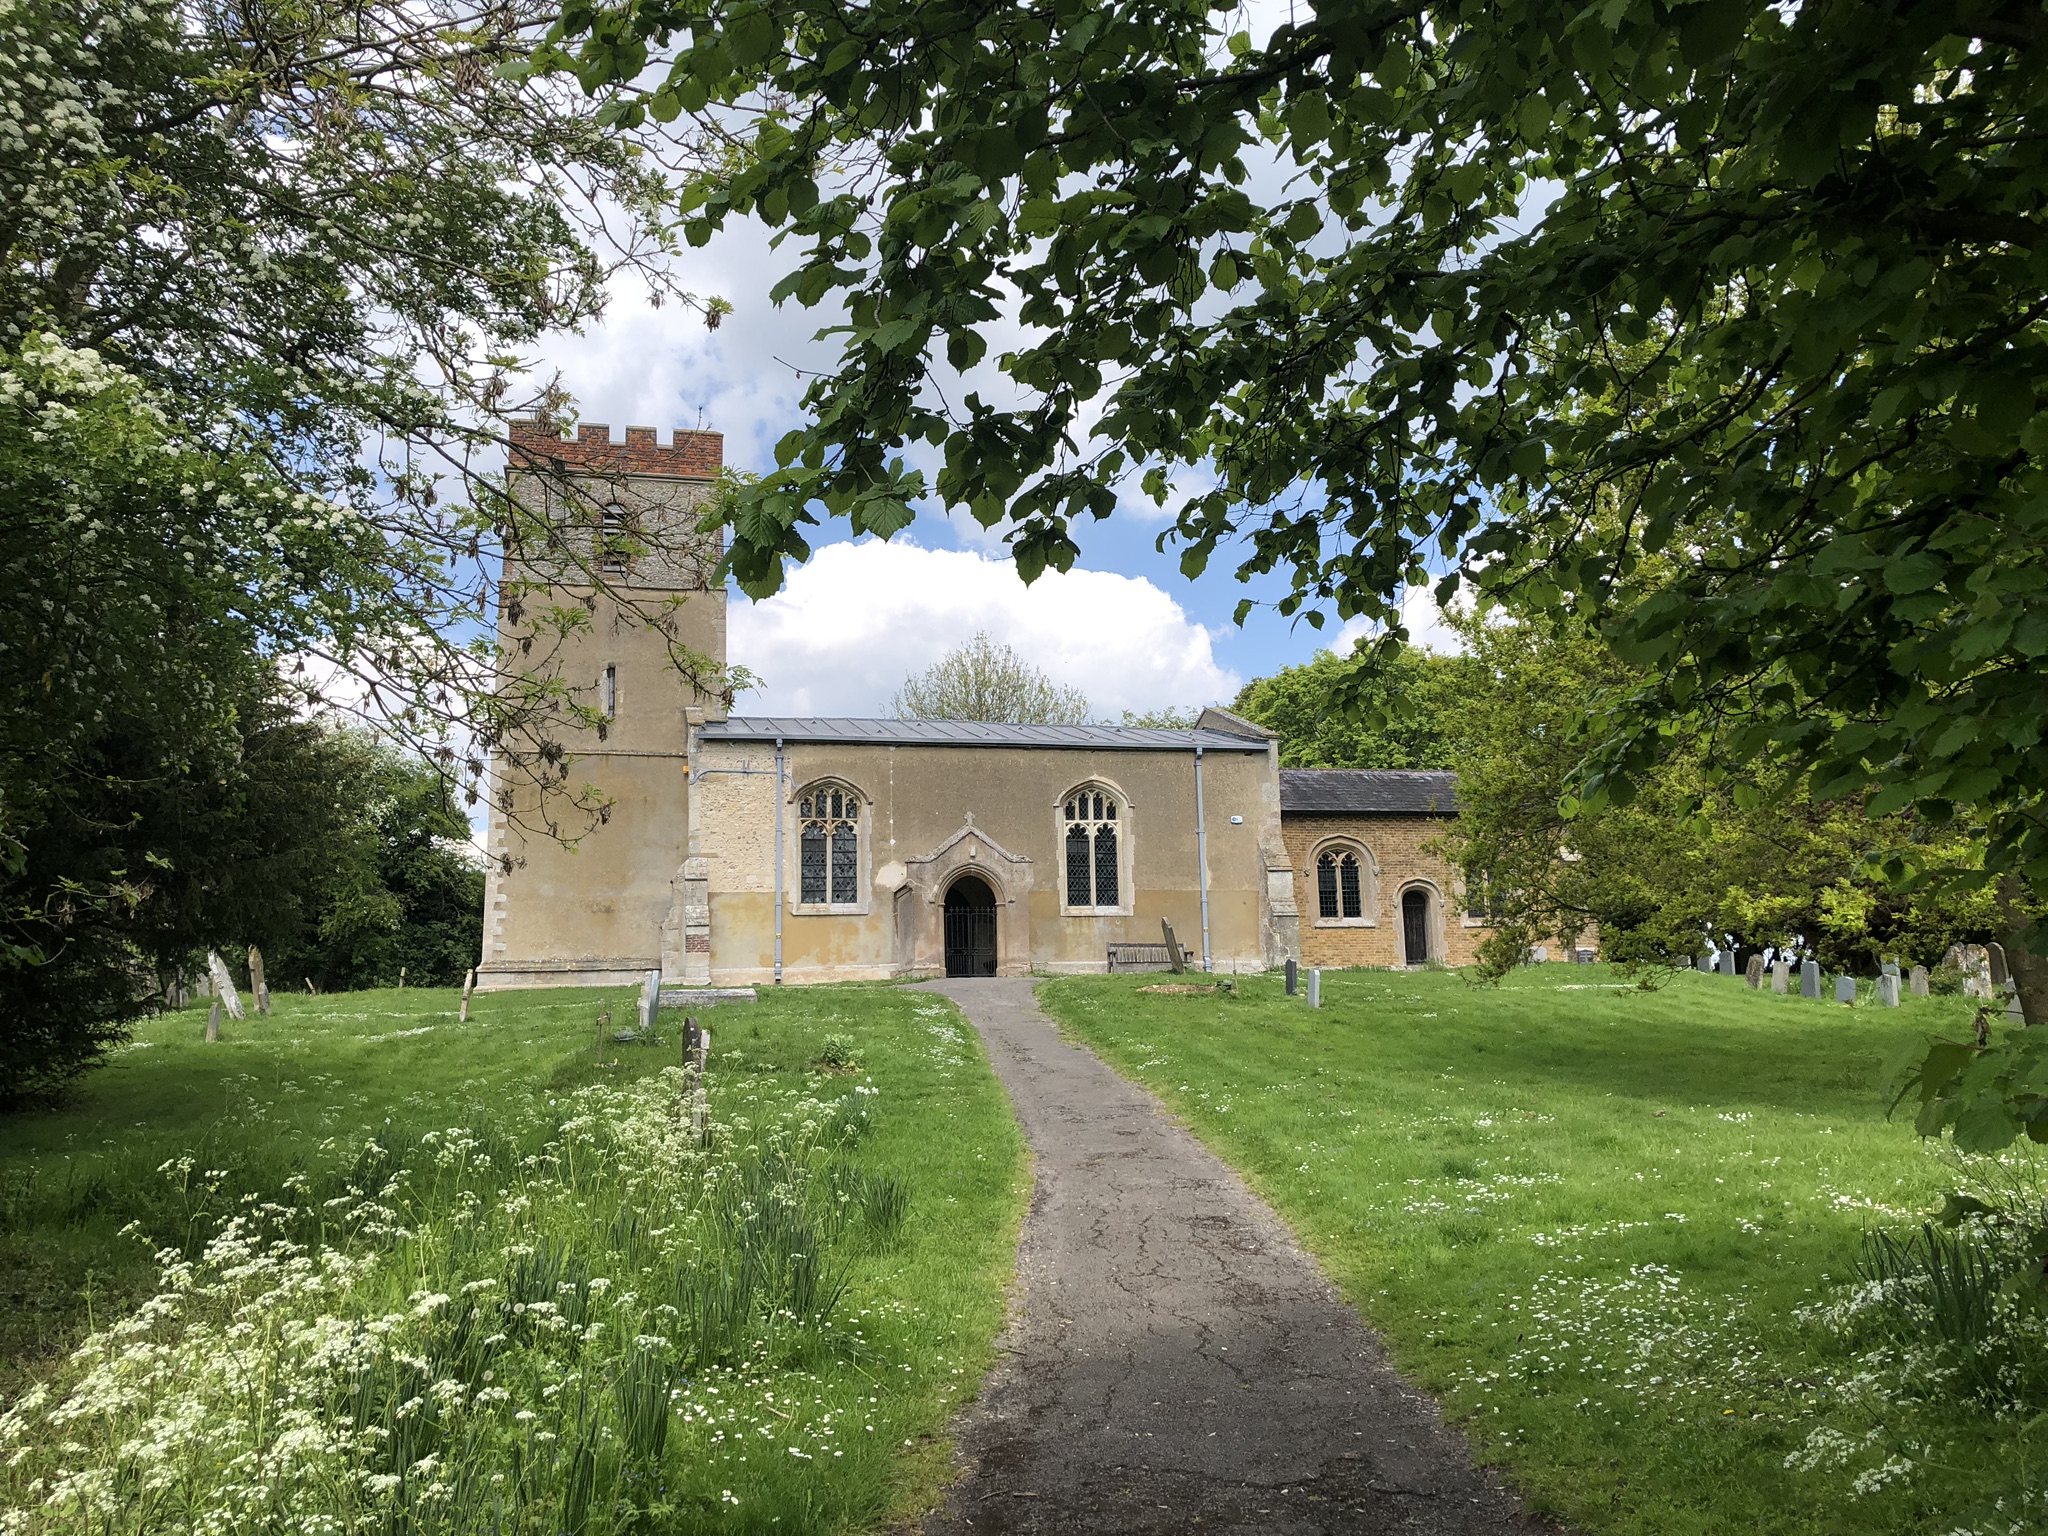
x,y
736,850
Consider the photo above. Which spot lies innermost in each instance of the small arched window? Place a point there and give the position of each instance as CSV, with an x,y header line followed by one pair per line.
x,y
1091,847
828,840
1340,884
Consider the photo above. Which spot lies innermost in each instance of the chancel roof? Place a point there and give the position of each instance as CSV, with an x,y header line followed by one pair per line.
x,y
844,731
1368,792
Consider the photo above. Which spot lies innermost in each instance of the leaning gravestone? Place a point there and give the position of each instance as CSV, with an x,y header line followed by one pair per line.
x,y
1952,957
1845,989
1809,979
1754,975
213,1023
1994,957
1176,962
1916,981
223,984
1888,989
1781,976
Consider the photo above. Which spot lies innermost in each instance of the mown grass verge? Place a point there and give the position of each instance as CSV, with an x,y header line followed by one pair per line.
x,y
361,1266
1619,1232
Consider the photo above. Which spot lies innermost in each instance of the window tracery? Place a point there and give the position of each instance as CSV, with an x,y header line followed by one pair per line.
x,y
1340,885
828,844
1093,869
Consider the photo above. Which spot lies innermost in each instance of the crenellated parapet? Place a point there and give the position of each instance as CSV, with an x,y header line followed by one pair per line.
x,y
539,444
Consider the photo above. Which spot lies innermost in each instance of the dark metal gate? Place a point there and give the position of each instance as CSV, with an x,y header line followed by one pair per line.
x,y
970,929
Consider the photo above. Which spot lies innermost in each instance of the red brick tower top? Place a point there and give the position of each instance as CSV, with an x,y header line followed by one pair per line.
x,y
692,456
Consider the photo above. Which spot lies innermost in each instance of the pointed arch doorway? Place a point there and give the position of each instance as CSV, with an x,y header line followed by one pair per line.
x,y
970,927
1415,926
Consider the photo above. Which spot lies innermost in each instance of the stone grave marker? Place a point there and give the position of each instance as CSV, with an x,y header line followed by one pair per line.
x,y
1315,987
1952,957
1781,976
1754,974
1706,962
1845,989
468,986
1176,962
1727,962
1293,977
1994,957
213,1022
1888,989
259,989
223,984
1809,979
650,1001
1916,981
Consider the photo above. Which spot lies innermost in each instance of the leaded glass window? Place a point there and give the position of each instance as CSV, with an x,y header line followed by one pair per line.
x,y
828,846
1340,885
1093,873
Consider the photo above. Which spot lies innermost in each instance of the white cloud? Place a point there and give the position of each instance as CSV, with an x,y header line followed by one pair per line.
x,y
853,621
1422,618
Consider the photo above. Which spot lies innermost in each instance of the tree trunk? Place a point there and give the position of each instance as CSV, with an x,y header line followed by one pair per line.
x,y
2026,953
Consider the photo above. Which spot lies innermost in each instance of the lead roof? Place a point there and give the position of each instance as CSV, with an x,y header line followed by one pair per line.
x,y
847,731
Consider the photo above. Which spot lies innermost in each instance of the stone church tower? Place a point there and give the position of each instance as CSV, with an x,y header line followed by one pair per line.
x,y
599,909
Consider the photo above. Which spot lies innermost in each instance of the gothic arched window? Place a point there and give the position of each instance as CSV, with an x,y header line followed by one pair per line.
x,y
1091,848
828,841
1340,884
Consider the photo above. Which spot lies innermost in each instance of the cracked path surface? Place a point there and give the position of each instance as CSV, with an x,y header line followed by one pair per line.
x,y
1176,1362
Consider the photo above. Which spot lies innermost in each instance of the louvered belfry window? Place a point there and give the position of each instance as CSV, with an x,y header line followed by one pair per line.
x,y
1092,867
1340,890
828,846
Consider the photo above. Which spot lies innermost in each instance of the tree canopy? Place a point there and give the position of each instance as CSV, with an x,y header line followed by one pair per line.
x,y
1720,324
1684,861
984,680
1412,714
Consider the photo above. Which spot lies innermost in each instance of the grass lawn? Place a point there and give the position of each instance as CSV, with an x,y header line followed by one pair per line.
x,y
494,1276
1602,1225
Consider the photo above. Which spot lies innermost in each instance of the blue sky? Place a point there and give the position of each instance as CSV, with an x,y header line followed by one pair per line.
x,y
1126,627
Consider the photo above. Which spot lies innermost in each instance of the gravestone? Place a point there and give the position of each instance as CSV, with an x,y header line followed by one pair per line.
x,y
1845,989
468,986
650,1001
223,984
1176,962
1952,957
1781,976
1685,962
213,1023
1727,962
1754,975
1707,961
1809,979
259,989
1889,968
1888,989
1315,987
1994,957
1293,978
1916,982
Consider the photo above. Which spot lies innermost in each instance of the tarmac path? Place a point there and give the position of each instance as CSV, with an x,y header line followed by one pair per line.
x,y
1174,1361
